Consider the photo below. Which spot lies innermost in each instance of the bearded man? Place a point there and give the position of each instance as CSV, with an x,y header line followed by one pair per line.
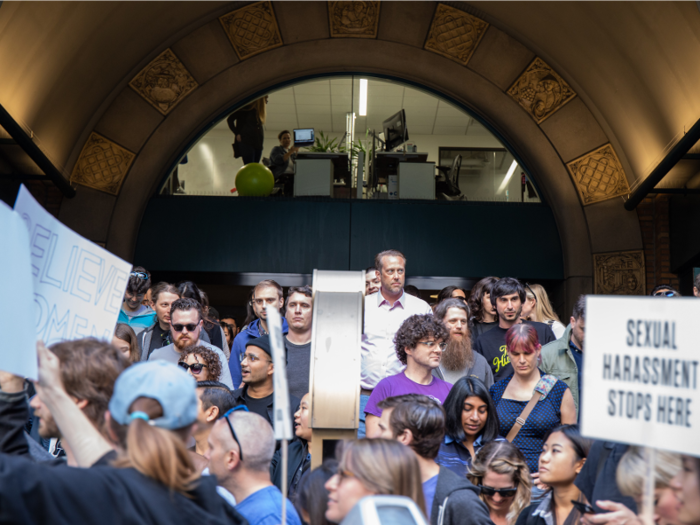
x,y
458,359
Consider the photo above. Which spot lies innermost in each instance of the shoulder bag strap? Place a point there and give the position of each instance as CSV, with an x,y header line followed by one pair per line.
x,y
522,418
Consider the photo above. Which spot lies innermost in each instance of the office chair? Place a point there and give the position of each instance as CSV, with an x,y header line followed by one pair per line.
x,y
449,188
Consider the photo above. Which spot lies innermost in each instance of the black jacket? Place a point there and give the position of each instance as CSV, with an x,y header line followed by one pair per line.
x,y
50,493
239,399
298,451
457,502
247,124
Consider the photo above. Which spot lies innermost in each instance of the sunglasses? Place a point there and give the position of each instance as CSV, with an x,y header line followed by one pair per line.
x,y
141,275
668,293
196,367
504,493
230,426
191,327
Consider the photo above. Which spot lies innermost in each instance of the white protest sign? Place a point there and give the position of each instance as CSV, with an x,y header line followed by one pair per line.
x,y
282,417
78,286
18,351
640,374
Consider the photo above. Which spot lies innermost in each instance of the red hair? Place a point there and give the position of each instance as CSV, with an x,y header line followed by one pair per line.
x,y
522,336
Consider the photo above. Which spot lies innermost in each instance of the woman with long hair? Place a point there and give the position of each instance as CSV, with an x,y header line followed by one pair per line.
x,y
150,478
368,467
247,125
554,406
471,423
201,363
686,486
126,342
502,474
538,308
484,316
311,499
563,455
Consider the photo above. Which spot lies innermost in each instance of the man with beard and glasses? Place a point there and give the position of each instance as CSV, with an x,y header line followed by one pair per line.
x,y
507,296
458,359
185,330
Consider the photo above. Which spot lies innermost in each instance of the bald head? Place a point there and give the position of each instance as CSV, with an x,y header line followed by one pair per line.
x,y
256,438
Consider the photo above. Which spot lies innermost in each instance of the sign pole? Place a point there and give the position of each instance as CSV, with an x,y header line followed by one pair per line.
x,y
649,486
285,465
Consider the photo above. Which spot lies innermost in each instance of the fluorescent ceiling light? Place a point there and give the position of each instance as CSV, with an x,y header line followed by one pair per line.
x,y
363,97
506,179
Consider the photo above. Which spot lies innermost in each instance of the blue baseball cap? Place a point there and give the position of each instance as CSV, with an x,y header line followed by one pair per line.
x,y
165,382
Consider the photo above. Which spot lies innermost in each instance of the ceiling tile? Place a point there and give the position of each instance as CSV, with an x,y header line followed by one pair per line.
x,y
313,88
450,111
308,109
462,121
449,130
314,99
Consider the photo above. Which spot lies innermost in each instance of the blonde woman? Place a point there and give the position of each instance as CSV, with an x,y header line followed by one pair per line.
x,y
247,124
369,467
538,308
502,474
631,478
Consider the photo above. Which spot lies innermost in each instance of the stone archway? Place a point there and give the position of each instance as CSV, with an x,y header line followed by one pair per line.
x,y
196,78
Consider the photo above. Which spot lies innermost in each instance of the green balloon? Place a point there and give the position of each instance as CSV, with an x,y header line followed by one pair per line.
x,y
254,180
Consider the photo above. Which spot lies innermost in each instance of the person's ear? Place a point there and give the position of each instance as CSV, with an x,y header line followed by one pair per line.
x,y
270,367
405,438
579,465
211,414
232,460
82,403
408,350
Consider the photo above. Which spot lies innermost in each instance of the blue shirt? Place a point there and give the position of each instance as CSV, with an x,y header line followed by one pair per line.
x,y
578,357
264,507
429,492
456,457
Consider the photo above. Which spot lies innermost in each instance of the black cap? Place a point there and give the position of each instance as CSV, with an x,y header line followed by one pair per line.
x,y
262,342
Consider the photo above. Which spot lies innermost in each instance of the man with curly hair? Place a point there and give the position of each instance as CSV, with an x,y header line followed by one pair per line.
x,y
419,344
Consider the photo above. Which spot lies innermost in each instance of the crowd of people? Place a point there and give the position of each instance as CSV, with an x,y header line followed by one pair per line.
x,y
469,407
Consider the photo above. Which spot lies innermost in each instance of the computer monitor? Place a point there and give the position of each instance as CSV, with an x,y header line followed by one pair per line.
x,y
395,132
304,137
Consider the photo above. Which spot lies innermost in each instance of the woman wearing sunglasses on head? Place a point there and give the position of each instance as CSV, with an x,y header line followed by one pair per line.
x,y
563,455
201,363
471,422
502,474
369,467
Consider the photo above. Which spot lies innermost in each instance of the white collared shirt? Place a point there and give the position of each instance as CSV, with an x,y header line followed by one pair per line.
x,y
382,321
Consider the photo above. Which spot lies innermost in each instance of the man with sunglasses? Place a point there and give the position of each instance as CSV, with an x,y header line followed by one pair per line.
x,y
419,423
419,344
257,393
137,315
185,330
241,446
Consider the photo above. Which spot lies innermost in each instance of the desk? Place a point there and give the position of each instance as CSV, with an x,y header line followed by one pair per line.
x,y
389,162
314,173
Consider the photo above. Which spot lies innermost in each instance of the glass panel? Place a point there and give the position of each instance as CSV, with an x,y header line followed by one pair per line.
x,y
469,162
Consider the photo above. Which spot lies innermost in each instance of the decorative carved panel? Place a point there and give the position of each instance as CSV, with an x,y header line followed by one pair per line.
x,y
540,90
164,82
455,34
598,175
252,29
102,165
619,273
354,19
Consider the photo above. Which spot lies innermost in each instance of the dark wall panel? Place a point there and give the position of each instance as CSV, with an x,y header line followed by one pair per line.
x,y
459,239
450,239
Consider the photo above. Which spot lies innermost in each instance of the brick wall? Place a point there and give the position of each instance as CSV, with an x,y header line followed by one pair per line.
x,y
653,215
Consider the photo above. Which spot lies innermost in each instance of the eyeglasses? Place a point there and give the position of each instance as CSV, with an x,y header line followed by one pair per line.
x,y
230,426
191,327
260,302
431,344
504,493
196,367
344,473
141,275
253,358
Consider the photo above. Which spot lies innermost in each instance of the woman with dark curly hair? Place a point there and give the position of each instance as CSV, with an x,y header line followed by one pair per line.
x,y
484,315
419,345
201,363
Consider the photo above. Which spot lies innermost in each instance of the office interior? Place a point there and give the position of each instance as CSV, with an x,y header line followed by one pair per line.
x,y
439,131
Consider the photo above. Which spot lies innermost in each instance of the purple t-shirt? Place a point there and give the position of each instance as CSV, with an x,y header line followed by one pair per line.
x,y
399,385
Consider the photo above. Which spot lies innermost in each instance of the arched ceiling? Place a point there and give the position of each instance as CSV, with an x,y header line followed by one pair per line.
x,y
633,63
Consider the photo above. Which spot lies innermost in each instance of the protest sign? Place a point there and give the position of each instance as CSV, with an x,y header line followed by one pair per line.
x,y
78,286
18,351
640,375
282,418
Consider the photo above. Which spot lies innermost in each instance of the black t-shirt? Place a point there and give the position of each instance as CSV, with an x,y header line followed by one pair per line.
x,y
492,345
159,339
259,406
298,364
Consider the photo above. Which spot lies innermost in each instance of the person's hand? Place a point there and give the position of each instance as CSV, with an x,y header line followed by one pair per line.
x,y
537,483
11,383
49,369
619,515
238,138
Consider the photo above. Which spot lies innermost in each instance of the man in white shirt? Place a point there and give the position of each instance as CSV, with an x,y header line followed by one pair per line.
x,y
385,312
